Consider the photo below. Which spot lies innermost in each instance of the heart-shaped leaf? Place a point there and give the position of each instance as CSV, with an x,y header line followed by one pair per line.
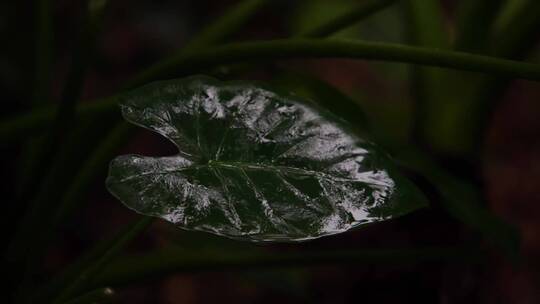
x,y
254,164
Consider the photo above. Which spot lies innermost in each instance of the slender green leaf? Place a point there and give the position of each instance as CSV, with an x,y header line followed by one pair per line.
x,y
254,165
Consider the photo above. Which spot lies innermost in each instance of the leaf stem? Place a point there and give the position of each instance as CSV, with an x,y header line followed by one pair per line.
x,y
297,48
317,48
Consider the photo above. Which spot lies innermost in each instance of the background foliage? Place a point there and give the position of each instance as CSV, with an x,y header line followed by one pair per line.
x,y
469,139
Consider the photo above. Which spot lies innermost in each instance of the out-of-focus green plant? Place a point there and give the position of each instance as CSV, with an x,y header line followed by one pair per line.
x,y
447,98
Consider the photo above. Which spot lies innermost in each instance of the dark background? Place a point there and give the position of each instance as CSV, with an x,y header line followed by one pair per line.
x,y
138,33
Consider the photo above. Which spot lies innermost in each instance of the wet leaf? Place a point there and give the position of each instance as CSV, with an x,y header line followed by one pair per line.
x,y
254,164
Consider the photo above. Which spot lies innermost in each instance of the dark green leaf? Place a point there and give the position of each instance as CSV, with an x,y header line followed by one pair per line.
x,y
254,164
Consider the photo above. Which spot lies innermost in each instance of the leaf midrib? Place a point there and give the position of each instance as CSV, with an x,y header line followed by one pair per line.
x,y
256,166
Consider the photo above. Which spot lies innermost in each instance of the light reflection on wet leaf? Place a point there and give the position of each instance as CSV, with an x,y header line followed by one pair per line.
x,y
254,164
